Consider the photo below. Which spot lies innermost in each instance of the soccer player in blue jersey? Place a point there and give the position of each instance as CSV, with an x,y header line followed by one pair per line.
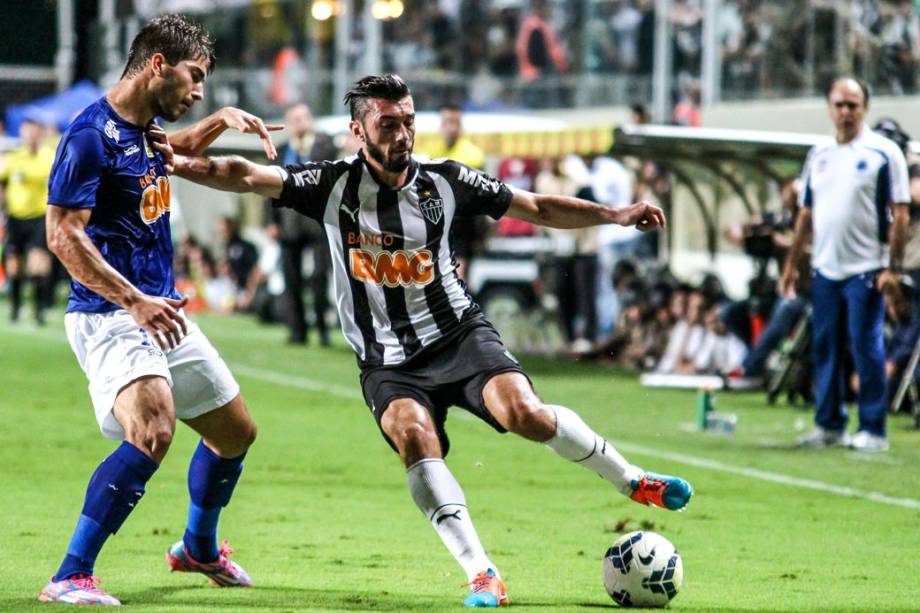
x,y
108,222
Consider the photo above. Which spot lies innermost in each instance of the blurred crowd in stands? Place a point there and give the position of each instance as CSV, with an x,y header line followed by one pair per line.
x,y
536,53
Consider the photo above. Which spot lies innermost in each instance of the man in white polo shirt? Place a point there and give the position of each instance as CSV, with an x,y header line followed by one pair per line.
x,y
855,204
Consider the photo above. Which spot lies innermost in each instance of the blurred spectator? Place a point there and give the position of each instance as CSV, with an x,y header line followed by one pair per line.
x,y
687,23
241,255
540,56
687,109
520,173
638,114
264,290
289,77
299,234
24,175
897,29
502,54
575,262
466,232
611,185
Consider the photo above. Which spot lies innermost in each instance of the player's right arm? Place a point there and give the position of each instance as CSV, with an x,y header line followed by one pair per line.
x,y
67,239
231,173
74,181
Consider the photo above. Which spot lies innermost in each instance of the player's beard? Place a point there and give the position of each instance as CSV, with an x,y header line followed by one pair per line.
x,y
389,165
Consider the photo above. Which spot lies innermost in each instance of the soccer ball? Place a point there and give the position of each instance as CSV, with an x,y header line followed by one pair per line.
x,y
642,569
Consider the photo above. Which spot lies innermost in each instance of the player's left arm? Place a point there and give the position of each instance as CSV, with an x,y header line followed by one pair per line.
x,y
196,138
565,212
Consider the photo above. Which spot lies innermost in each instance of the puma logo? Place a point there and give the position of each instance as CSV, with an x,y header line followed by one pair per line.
x,y
445,516
647,559
352,213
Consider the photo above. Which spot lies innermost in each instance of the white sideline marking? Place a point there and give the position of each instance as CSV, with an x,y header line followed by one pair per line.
x,y
313,385
763,475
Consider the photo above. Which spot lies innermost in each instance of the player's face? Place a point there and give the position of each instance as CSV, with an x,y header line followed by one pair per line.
x,y
847,107
388,132
179,87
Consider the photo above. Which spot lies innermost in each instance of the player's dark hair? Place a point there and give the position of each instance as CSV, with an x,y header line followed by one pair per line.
x,y
175,36
389,87
862,85
451,106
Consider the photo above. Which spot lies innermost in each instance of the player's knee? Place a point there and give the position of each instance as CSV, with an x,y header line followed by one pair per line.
x,y
248,435
153,434
410,428
528,417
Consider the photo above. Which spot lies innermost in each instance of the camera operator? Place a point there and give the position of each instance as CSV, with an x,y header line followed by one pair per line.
x,y
766,238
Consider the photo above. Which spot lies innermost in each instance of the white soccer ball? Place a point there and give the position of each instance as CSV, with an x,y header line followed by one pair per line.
x,y
642,569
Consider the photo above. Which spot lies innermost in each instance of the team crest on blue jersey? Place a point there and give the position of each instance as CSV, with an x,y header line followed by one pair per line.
x,y
432,209
111,130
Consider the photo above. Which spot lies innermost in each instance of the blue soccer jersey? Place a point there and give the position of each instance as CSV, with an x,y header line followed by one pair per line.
x,y
105,163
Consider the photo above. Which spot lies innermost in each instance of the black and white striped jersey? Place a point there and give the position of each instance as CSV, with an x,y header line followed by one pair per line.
x,y
393,267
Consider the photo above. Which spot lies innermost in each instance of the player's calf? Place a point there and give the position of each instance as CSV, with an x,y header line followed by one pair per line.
x,y
575,441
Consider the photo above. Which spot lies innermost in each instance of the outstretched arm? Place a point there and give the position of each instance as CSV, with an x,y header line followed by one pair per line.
x,y
567,213
231,173
196,138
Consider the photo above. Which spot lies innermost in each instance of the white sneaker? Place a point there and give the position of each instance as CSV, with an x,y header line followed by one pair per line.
x,y
868,442
820,438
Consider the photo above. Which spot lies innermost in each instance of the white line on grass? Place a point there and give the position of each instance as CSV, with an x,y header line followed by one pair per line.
x,y
763,475
313,385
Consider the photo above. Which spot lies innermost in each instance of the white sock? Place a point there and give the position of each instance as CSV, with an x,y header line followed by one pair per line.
x,y
575,441
438,495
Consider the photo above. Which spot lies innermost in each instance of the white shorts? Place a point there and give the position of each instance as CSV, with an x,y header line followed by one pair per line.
x,y
113,351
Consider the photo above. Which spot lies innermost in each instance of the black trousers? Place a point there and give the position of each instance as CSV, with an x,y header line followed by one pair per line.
x,y
292,268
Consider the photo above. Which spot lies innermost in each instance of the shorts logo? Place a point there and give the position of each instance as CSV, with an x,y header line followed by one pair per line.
x,y
393,268
111,131
131,150
432,209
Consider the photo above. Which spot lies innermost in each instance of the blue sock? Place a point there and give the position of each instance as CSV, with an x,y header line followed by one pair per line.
x,y
211,480
113,491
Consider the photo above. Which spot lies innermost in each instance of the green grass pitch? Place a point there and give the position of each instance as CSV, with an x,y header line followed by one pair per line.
x,y
323,522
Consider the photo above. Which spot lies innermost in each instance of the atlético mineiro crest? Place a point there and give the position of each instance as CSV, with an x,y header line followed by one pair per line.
x,y
432,209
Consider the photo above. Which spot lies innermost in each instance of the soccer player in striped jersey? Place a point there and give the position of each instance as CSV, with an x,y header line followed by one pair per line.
x,y
422,343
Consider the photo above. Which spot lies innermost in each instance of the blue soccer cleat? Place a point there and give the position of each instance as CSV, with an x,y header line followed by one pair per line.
x,y
671,493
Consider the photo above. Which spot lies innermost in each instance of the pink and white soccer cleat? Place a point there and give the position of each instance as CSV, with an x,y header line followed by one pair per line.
x,y
223,572
79,590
